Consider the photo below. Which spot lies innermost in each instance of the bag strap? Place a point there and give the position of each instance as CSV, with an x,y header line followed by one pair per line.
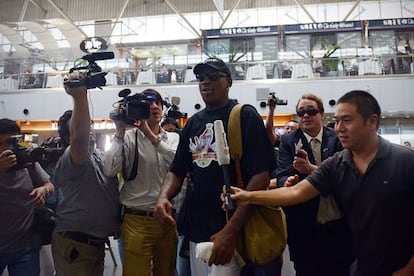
x,y
235,141
34,175
134,169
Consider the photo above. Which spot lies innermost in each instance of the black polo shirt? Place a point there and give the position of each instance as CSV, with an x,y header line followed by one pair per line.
x,y
379,205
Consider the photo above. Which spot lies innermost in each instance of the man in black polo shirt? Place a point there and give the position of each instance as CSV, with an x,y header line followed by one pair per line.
x,y
372,180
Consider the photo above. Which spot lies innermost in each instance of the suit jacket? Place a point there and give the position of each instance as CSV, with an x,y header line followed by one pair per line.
x,y
306,237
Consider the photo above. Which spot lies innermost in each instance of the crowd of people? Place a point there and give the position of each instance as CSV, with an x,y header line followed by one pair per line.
x,y
347,193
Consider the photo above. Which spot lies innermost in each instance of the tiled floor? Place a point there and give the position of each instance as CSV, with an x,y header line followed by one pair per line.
x,y
112,270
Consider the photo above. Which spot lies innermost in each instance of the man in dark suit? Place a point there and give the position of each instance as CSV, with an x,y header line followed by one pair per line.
x,y
318,235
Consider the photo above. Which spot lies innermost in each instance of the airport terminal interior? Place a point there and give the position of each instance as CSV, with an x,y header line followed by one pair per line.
x,y
268,44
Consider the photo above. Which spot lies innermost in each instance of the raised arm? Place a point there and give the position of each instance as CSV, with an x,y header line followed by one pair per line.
x,y
269,124
80,122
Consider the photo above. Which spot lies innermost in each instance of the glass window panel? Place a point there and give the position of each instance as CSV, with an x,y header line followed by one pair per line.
x,y
89,29
349,40
268,46
37,45
8,48
172,27
328,13
266,18
249,18
218,46
118,29
407,8
386,9
56,33
287,15
4,40
298,42
210,20
154,27
371,10
343,10
379,39
194,18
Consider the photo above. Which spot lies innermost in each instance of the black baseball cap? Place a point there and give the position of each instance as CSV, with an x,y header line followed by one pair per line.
x,y
212,63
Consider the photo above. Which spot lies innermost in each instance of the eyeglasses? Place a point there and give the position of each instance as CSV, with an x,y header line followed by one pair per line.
x,y
310,112
213,76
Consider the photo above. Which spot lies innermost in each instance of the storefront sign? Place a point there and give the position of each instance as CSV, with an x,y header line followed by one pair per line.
x,y
391,23
323,27
241,31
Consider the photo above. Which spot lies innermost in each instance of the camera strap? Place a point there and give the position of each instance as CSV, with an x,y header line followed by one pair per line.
x,y
134,169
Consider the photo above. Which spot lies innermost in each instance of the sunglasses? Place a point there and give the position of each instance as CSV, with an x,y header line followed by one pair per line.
x,y
310,112
213,76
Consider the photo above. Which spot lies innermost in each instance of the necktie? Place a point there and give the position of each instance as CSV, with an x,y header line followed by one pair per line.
x,y
328,210
316,150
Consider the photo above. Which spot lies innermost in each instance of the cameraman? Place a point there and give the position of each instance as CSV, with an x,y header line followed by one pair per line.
x,y
89,210
149,247
19,250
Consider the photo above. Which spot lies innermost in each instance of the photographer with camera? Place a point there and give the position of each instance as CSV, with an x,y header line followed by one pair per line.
x,y
143,154
89,210
19,196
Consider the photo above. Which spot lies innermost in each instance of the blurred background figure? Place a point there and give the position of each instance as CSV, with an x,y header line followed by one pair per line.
x,y
170,124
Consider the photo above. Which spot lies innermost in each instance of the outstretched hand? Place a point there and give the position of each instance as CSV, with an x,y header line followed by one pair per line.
x,y
239,196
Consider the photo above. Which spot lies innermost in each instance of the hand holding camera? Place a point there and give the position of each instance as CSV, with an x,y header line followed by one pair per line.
x,y
93,75
132,108
7,160
273,101
75,91
302,164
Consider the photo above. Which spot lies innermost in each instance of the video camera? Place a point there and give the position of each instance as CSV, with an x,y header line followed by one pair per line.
x,y
49,151
273,100
132,108
173,110
94,77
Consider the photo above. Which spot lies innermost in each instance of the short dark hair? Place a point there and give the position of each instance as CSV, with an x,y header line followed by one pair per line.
x,y
312,97
365,103
63,127
169,120
292,121
8,126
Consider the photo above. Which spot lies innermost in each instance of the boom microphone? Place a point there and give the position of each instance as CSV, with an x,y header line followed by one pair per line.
x,y
223,158
98,56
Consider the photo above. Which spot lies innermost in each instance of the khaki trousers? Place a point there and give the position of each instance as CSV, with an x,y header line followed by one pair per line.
x,y
149,248
72,258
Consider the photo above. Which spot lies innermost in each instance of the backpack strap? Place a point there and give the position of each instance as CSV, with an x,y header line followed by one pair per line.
x,y
235,141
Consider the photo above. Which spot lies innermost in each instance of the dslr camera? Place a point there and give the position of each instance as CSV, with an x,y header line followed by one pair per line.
x,y
49,151
94,77
132,108
274,101
24,156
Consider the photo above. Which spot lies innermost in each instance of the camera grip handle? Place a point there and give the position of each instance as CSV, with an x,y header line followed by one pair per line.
x,y
74,83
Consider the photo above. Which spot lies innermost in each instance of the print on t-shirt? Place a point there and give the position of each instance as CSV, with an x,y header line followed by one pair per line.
x,y
202,148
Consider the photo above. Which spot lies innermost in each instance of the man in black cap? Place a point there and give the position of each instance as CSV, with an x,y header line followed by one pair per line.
x,y
196,155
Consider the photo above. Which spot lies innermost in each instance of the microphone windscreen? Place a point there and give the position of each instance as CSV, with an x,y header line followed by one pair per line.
x,y
222,148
